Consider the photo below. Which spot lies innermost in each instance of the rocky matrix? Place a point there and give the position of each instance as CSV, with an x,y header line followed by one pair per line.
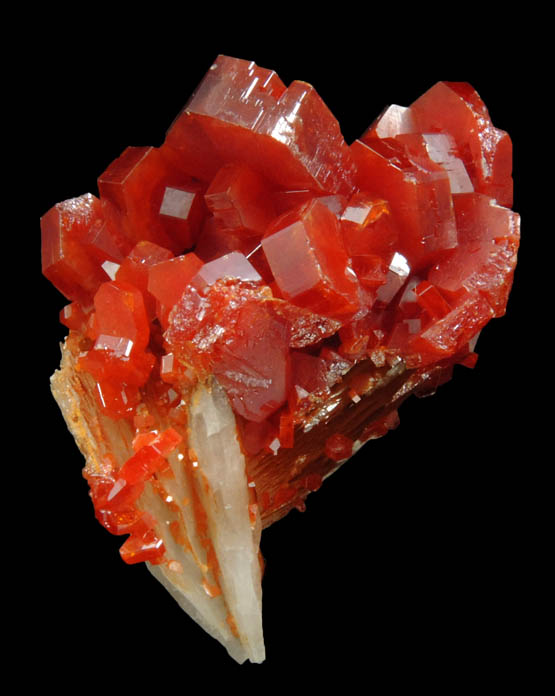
x,y
252,301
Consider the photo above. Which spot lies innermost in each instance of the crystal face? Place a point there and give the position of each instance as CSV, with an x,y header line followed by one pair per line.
x,y
252,301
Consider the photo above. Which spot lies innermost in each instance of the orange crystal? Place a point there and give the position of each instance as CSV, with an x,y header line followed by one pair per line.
x,y
320,283
310,252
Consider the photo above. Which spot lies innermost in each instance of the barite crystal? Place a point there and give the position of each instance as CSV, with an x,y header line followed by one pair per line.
x,y
252,301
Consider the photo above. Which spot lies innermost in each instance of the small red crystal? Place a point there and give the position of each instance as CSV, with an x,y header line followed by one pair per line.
x,y
66,260
338,447
143,544
120,311
167,281
116,399
112,360
74,316
135,266
430,299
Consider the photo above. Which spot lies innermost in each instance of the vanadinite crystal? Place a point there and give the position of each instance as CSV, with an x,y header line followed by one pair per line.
x,y
252,301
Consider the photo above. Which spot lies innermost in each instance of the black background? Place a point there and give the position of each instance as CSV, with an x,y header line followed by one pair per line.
x,y
414,561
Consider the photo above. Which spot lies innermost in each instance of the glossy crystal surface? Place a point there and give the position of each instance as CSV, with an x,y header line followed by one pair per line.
x,y
260,288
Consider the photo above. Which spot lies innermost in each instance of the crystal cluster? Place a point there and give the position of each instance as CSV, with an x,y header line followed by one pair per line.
x,y
251,302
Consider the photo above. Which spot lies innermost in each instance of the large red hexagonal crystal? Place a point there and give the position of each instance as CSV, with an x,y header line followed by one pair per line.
x,y
306,253
252,301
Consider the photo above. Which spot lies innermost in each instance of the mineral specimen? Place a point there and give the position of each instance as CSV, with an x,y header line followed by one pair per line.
x,y
252,301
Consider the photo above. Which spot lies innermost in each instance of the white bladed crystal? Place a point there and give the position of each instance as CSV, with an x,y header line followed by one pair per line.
x,y
225,498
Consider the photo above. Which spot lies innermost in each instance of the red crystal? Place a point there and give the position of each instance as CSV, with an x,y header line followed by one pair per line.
x,y
120,311
119,523
74,316
442,149
66,260
116,399
310,237
233,266
394,120
143,545
450,334
111,495
419,194
242,113
149,458
368,227
135,266
430,299
305,255
309,372
146,198
256,436
317,283
456,108
488,237
307,328
238,197
254,365
215,240
339,447
167,281
111,358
